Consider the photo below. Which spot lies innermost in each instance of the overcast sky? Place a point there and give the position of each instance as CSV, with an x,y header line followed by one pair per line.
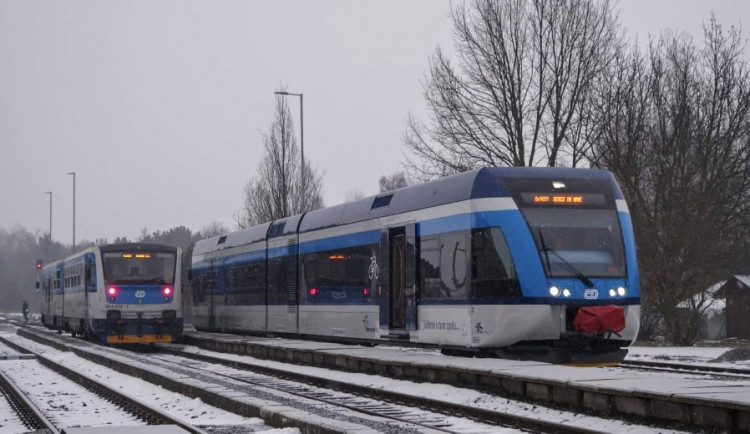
x,y
160,106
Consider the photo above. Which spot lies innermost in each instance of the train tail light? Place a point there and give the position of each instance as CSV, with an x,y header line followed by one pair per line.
x,y
313,291
112,293
167,291
365,292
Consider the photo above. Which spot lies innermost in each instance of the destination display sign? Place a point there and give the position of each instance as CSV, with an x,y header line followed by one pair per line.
x,y
563,199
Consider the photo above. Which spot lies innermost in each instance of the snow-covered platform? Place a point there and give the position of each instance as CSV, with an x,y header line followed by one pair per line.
x,y
708,403
150,429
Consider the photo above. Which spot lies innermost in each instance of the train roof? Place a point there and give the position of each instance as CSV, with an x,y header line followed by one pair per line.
x,y
486,182
240,238
135,246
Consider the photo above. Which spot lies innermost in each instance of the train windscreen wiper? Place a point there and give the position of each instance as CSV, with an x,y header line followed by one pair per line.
x,y
563,262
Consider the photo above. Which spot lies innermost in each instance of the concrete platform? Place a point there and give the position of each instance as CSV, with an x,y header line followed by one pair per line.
x,y
705,403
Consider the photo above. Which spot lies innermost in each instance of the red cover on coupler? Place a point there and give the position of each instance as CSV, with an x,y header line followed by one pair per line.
x,y
599,319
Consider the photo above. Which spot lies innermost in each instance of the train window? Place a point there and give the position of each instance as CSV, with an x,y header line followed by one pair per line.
x,y
277,280
347,267
199,287
493,273
126,268
247,283
429,263
454,263
443,265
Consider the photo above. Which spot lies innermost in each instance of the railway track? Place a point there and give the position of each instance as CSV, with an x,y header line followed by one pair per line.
x,y
687,368
106,400
28,414
429,413
371,407
421,412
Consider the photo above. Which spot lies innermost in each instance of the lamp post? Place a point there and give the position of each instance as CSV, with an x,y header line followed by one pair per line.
x,y
74,209
301,146
50,215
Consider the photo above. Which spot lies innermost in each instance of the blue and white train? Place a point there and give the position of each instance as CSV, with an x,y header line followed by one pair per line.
x,y
499,260
117,294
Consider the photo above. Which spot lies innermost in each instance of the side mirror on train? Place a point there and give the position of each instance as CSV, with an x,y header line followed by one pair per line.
x,y
190,274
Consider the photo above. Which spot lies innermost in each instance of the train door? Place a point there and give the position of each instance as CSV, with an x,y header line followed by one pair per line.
x,y
398,282
212,284
400,314
47,294
58,297
283,276
89,285
292,284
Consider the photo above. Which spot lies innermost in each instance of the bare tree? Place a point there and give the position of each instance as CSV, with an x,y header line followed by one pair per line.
x,y
675,131
393,182
518,95
280,189
353,194
212,229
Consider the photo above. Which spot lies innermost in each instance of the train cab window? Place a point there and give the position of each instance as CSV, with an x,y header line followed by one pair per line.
x,y
588,239
493,273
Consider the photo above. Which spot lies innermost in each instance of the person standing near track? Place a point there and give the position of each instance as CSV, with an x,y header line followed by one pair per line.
x,y
25,311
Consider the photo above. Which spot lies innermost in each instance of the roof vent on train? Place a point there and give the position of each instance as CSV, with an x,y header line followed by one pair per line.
x,y
382,201
277,229
221,239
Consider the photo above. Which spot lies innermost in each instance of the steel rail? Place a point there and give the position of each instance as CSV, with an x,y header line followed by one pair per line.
x,y
28,412
424,403
147,413
683,367
389,399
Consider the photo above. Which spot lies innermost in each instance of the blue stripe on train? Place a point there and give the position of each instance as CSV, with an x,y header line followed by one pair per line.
x,y
531,275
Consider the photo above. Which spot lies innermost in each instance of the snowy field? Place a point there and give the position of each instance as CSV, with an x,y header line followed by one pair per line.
x,y
730,356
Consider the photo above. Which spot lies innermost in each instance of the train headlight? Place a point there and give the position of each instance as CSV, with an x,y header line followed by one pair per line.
x,y
566,292
612,292
621,291
554,291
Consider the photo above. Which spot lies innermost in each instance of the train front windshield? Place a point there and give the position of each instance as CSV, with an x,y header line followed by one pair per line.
x,y
588,239
140,268
575,225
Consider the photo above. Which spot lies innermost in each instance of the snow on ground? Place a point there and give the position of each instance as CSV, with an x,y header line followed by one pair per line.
x,y
192,411
198,413
9,422
448,393
676,354
65,403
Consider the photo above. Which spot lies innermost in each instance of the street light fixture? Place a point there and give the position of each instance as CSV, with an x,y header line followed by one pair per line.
x,y
301,146
74,209
50,215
